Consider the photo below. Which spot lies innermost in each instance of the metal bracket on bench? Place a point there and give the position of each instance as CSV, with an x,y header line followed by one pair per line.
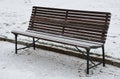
x,y
27,46
30,45
86,54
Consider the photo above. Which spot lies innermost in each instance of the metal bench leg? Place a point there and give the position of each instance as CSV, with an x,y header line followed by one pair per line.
x,y
16,43
34,43
103,51
88,58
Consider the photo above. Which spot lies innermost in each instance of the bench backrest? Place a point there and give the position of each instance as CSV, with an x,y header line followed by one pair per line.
x,y
86,25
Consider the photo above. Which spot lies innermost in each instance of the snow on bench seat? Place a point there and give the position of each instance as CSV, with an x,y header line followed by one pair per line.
x,y
59,39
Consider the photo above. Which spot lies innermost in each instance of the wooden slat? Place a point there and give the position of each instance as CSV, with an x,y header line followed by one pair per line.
x,y
87,29
85,24
48,10
44,28
48,19
87,18
84,38
73,22
84,32
87,21
51,13
93,35
87,14
90,12
50,16
46,31
47,26
48,23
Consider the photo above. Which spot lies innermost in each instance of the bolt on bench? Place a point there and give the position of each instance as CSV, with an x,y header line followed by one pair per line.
x,y
81,29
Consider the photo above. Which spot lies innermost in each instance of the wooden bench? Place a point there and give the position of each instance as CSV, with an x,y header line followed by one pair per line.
x,y
85,29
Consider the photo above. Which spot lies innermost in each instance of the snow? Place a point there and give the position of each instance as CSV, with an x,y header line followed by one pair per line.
x,y
42,64
59,38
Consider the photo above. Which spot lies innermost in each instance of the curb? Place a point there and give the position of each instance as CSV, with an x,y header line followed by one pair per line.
x,y
66,52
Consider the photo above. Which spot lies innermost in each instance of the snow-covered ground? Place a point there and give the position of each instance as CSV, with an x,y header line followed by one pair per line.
x,y
42,64
15,14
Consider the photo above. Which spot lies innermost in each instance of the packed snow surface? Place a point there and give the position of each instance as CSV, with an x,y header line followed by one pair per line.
x,y
42,64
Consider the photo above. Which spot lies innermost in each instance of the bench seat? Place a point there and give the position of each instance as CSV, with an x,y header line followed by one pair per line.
x,y
59,39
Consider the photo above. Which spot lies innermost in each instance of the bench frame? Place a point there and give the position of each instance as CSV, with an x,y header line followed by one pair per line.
x,y
86,54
